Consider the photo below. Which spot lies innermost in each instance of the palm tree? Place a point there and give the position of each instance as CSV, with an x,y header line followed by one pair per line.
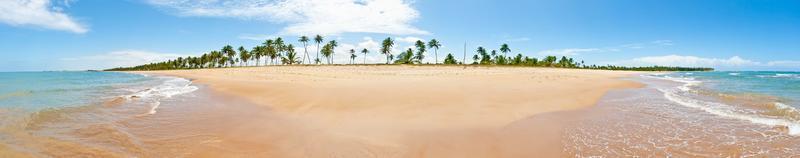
x,y
291,56
365,51
420,51
434,44
327,51
244,55
229,53
258,52
319,40
504,48
333,44
352,56
304,40
406,57
386,48
268,45
279,48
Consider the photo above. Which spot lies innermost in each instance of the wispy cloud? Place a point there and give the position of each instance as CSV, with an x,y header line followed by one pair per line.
x,y
408,39
309,16
568,51
38,13
256,37
579,51
519,39
123,58
734,62
678,60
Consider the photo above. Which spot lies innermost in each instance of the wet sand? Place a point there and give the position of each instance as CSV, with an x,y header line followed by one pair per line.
x,y
398,111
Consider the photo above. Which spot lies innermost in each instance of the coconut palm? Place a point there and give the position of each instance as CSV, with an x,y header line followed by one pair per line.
x,y
333,44
504,48
365,51
406,57
352,56
279,49
386,48
434,44
304,40
229,53
420,51
291,56
244,55
267,45
327,51
318,39
258,52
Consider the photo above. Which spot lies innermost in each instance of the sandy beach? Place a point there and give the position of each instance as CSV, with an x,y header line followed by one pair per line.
x,y
403,111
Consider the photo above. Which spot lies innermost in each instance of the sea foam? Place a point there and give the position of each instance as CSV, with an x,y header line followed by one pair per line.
x,y
167,89
679,95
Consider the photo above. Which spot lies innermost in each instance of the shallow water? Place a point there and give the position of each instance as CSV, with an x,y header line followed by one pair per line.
x,y
691,115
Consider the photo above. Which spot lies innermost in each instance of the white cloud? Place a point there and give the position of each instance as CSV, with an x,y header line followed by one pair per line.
x,y
568,51
38,13
521,39
784,63
114,59
690,61
306,17
409,39
579,51
256,37
663,42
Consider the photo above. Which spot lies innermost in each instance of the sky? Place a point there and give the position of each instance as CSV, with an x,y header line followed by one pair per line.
x,y
45,35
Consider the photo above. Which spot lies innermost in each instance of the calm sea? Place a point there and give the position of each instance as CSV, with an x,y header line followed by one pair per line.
x,y
68,113
696,114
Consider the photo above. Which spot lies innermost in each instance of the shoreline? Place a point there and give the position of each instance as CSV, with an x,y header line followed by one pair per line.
x,y
341,109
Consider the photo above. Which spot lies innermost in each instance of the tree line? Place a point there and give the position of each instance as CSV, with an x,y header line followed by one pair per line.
x,y
278,52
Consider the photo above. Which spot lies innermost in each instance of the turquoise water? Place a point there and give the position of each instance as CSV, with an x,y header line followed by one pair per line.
x,y
40,90
695,114
783,85
44,113
759,97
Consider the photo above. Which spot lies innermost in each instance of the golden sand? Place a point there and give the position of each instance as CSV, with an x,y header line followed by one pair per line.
x,y
406,111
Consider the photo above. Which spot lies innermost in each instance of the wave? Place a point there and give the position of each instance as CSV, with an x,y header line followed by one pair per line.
x,y
725,110
780,76
169,88
733,74
689,82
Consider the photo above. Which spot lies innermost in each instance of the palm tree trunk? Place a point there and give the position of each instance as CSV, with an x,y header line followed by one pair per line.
x,y
317,53
436,53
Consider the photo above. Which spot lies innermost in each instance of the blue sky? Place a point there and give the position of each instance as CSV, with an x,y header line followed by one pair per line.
x,y
96,34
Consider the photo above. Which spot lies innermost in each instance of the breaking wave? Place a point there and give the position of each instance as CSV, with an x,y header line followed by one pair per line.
x,y
683,96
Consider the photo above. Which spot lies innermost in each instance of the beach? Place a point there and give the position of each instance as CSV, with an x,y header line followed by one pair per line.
x,y
402,111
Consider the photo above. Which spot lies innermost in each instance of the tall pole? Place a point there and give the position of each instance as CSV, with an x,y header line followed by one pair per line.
x,y
464,59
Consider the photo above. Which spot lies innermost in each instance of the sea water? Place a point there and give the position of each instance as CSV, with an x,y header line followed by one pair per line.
x,y
80,113
691,114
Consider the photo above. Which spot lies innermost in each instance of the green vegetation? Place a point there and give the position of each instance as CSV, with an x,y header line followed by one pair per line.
x,y
276,52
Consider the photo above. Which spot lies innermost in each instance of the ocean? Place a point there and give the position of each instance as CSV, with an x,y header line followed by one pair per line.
x,y
81,113
112,114
695,114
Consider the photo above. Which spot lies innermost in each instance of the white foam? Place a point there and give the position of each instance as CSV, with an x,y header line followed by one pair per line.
x,y
728,111
779,76
688,81
169,88
153,108
733,74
